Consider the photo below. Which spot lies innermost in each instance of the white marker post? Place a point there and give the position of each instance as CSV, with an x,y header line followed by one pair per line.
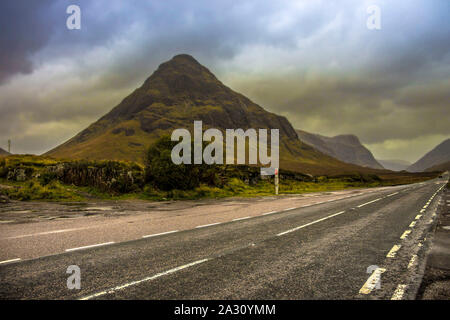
x,y
276,181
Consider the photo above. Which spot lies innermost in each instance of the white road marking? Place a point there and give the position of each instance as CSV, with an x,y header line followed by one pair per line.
x,y
48,232
392,194
372,281
411,262
238,219
290,209
422,210
8,261
405,234
399,292
393,251
412,224
133,283
365,204
91,246
310,223
264,214
159,234
418,216
208,225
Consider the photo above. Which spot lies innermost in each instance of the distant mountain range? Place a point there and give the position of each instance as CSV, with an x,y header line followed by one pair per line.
x,y
346,148
4,153
440,167
177,93
395,165
439,155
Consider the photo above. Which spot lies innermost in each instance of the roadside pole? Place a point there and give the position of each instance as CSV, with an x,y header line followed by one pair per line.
x,y
276,181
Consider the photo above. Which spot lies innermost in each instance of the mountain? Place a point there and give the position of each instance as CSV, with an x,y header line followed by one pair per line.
x,y
4,153
177,93
346,148
439,155
394,165
440,167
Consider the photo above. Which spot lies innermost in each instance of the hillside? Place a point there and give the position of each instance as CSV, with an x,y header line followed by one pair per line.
x,y
4,153
439,167
177,93
346,148
440,154
394,165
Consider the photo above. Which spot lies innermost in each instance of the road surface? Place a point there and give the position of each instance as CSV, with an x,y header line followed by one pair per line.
x,y
363,244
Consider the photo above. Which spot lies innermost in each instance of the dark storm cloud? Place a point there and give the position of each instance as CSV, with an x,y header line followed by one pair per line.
x,y
313,61
24,29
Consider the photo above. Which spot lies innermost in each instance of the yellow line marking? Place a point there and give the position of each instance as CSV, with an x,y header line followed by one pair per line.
x,y
399,292
393,251
372,281
411,262
405,234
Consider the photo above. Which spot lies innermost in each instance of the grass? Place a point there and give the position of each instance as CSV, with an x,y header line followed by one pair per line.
x,y
38,188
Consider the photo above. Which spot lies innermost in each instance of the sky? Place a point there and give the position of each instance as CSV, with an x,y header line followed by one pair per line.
x,y
315,62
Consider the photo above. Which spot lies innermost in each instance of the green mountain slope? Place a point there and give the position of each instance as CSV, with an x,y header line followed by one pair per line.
x,y
177,93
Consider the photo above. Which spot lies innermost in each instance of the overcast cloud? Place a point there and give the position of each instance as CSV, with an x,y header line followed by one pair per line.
x,y
313,61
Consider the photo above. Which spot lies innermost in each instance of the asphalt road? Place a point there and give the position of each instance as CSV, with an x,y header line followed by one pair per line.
x,y
341,248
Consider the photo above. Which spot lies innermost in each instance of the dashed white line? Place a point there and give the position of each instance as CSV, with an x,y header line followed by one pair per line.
x,y
393,251
412,224
310,223
244,218
159,234
418,216
208,225
422,210
133,283
91,246
392,194
405,234
372,281
399,292
365,204
9,261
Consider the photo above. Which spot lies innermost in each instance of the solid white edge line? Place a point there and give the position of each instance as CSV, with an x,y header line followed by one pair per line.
x,y
244,218
266,213
129,284
159,234
90,246
208,225
11,260
310,223
288,209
